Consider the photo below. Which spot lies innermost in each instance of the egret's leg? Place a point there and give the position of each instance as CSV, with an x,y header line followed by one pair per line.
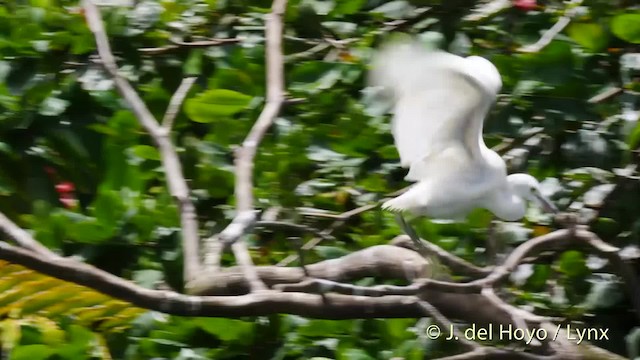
x,y
436,267
412,234
492,245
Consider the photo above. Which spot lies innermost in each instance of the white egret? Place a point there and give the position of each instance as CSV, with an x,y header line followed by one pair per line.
x,y
440,102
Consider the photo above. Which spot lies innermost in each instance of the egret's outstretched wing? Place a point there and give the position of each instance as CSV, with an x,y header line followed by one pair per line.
x,y
440,101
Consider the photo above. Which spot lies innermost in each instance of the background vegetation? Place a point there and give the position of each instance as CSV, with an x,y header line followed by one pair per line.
x,y
77,170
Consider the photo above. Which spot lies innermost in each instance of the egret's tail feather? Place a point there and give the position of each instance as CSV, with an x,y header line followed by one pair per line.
x,y
395,205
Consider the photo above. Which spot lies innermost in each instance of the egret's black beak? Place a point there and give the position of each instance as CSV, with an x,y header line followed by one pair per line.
x,y
546,204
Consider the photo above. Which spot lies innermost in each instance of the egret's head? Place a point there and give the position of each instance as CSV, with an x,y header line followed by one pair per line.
x,y
528,188
485,73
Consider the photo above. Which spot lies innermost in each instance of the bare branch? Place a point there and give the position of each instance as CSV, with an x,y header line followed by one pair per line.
x,y
509,144
275,98
255,304
246,153
176,102
181,44
605,95
295,227
23,238
170,160
551,33
381,261
548,36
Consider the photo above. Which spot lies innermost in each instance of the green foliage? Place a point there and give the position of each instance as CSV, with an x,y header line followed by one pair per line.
x,y
62,121
211,105
627,27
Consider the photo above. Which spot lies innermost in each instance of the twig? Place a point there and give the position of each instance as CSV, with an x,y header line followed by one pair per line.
x,y
605,95
509,144
550,34
176,102
309,53
488,10
181,44
173,168
292,226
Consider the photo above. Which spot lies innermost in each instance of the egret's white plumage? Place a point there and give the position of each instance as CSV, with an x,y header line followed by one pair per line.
x,y
440,102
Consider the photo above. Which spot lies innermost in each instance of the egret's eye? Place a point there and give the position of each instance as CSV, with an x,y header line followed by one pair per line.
x,y
532,189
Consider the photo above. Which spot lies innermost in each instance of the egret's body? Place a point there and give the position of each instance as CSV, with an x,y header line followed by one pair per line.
x,y
440,102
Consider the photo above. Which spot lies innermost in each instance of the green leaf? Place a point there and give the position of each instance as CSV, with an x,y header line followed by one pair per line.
x,y
633,140
146,152
627,27
226,329
572,263
347,7
108,208
213,104
193,65
537,281
320,328
90,231
354,354
590,35
32,352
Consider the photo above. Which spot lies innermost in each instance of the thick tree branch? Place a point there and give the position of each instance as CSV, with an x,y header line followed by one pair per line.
x,y
381,261
475,308
170,160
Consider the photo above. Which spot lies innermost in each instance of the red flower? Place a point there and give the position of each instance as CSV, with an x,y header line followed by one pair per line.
x,y
525,5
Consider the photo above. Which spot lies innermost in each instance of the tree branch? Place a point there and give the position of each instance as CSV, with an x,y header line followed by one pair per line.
x,y
23,238
176,101
246,153
551,33
173,168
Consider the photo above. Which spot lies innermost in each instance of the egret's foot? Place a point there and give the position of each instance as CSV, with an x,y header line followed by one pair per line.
x,y
412,234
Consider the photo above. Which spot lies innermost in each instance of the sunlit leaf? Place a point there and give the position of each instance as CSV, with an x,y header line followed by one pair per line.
x,y
627,27
590,35
213,104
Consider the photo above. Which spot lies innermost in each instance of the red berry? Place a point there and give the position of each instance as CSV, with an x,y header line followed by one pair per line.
x,y
526,5
65,187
